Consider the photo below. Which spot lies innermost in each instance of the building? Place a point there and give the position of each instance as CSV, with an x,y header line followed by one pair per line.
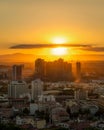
x,y
18,102
58,70
36,88
91,107
17,89
40,69
46,98
78,71
72,106
17,72
59,115
40,124
46,102
33,108
81,94
25,120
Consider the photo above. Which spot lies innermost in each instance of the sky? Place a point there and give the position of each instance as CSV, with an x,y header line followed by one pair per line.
x,y
36,22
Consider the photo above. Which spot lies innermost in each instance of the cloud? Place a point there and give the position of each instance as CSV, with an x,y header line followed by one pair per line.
x,y
95,49
35,46
78,46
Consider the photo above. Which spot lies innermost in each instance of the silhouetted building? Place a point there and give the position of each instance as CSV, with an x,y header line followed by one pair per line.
x,y
40,69
53,71
17,72
78,71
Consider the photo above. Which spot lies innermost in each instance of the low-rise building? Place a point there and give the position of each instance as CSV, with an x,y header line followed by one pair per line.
x,y
59,115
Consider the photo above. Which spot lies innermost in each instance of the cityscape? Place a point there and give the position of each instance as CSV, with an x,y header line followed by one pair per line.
x,y
52,95
51,65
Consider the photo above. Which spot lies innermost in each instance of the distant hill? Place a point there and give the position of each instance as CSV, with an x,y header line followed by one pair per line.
x,y
21,58
17,57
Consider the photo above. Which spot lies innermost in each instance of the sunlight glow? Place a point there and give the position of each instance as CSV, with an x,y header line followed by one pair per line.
x,y
59,51
59,40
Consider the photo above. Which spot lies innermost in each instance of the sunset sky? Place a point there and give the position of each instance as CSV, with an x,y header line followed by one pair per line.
x,y
31,26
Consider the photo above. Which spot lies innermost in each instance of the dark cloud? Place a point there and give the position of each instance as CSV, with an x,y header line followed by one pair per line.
x,y
79,46
96,49
34,46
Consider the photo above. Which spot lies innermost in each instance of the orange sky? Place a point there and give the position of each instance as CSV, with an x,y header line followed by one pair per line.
x,y
41,21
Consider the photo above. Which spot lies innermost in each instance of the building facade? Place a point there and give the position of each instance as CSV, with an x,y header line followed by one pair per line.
x,y
17,89
36,88
17,72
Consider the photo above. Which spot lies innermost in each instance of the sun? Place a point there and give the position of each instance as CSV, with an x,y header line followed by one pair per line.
x,y
59,40
59,51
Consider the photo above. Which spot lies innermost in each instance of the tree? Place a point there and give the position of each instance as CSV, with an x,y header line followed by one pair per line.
x,y
68,110
26,111
40,114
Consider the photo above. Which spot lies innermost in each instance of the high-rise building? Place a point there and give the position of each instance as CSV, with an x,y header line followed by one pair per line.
x,y
17,89
78,71
53,71
40,68
17,72
36,88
